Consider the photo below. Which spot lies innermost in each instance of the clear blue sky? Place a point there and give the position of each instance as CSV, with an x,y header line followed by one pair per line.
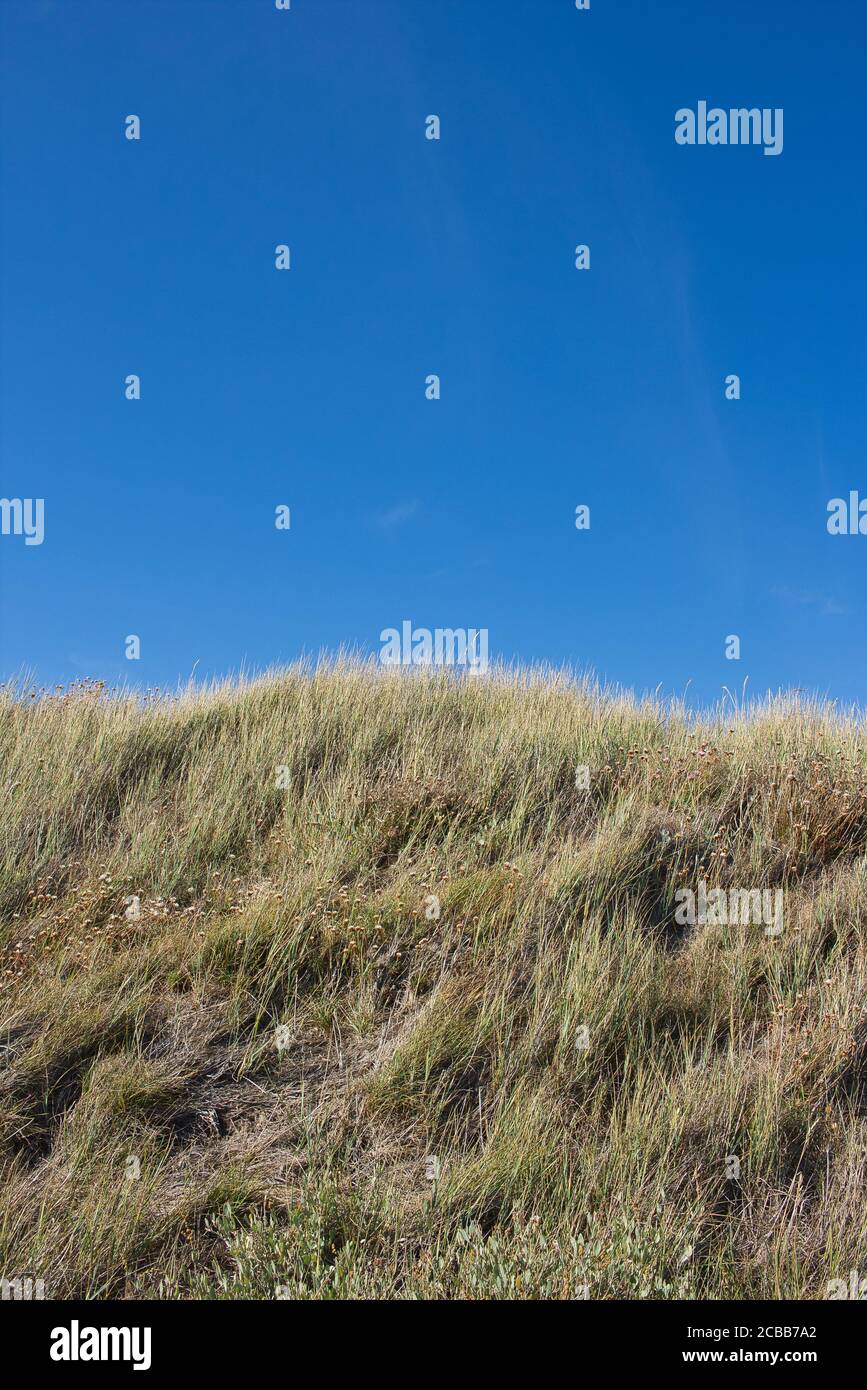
x,y
410,257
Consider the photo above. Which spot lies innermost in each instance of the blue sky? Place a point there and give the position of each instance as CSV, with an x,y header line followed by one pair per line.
x,y
454,257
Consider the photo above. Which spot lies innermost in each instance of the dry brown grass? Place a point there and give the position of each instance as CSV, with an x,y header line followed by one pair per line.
x,y
429,1125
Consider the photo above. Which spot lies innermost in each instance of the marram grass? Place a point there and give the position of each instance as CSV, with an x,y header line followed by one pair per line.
x,y
348,984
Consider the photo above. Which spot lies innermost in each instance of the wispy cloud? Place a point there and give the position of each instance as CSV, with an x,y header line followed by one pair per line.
x,y
398,515
802,598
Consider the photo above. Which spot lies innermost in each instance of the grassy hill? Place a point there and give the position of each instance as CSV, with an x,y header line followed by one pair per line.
x,y
338,984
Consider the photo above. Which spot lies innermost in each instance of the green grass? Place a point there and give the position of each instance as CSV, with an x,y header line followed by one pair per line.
x,y
290,1076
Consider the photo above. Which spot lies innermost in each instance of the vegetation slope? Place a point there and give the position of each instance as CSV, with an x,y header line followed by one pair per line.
x,y
340,983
